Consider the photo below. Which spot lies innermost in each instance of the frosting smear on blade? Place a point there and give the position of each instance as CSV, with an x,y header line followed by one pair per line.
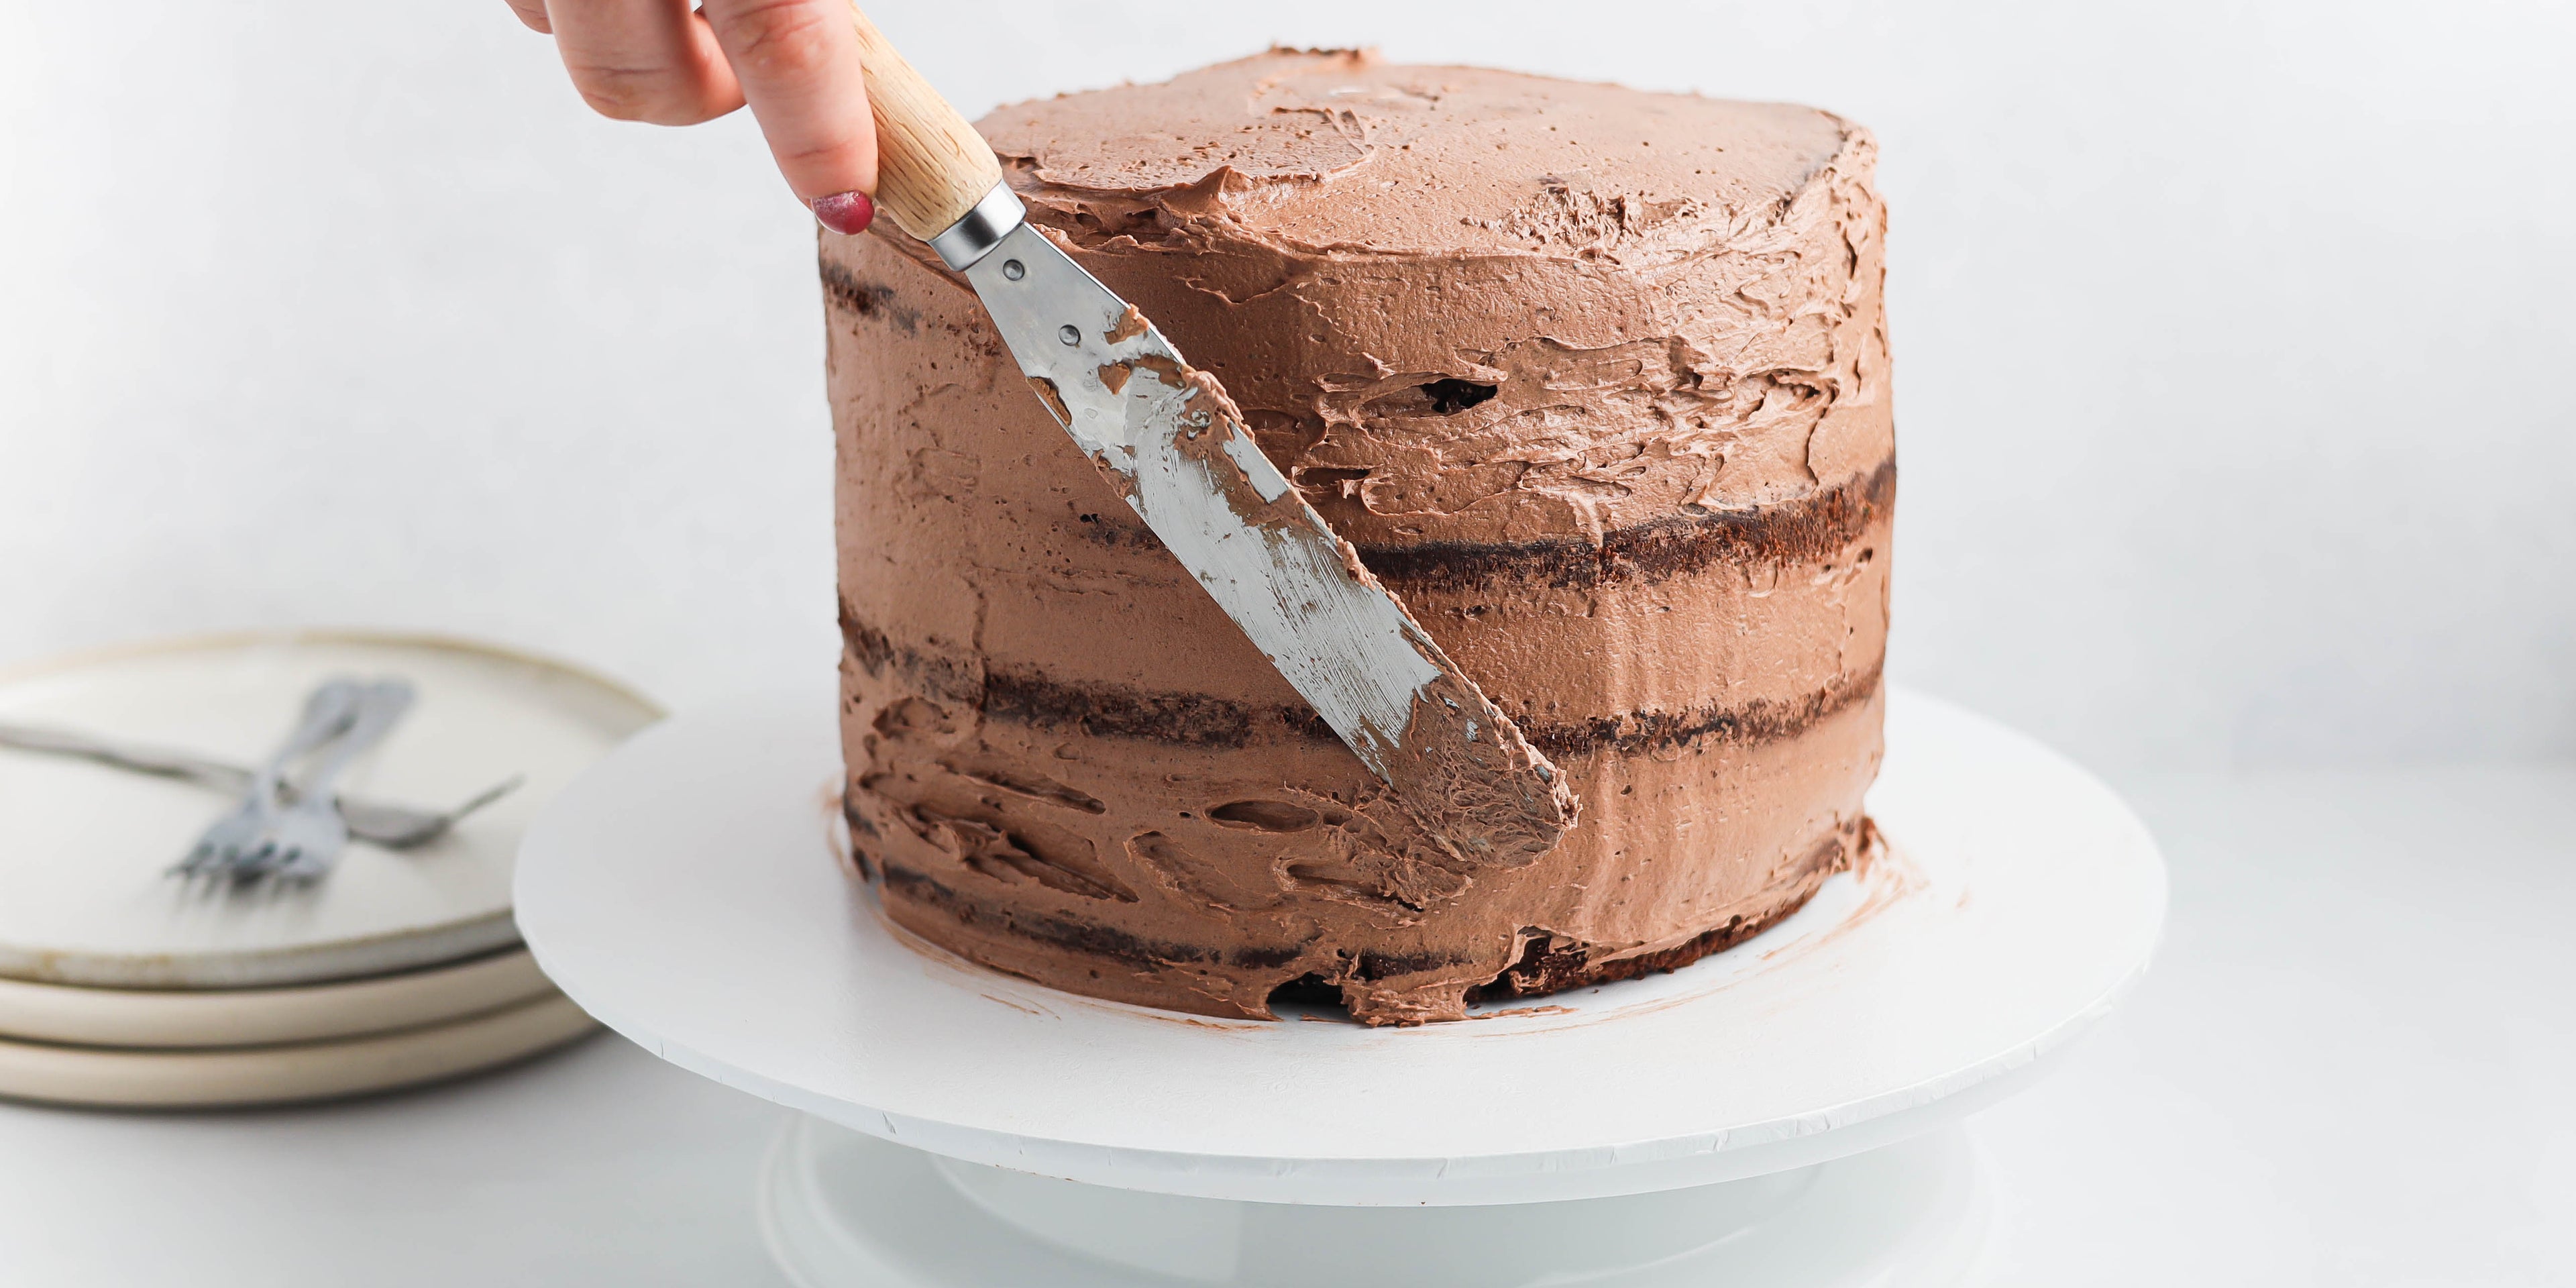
x,y
1595,381
1169,437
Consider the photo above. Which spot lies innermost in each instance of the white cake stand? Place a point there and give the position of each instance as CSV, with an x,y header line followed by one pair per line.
x,y
1783,1113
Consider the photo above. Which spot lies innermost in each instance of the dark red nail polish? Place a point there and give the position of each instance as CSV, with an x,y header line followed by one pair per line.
x,y
847,213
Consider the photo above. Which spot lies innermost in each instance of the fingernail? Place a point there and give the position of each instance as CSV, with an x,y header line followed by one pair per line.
x,y
846,213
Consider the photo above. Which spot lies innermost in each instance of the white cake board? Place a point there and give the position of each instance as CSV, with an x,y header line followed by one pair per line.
x,y
689,893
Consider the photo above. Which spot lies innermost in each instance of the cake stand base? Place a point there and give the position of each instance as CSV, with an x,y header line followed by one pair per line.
x,y
845,1210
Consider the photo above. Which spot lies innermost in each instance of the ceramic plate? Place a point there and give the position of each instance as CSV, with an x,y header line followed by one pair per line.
x,y
84,898
280,1074
166,1018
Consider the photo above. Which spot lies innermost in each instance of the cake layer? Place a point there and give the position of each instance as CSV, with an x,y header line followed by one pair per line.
x,y
1594,379
1523,307
1204,868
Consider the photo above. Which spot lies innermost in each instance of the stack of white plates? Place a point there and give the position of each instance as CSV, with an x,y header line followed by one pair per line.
x,y
123,985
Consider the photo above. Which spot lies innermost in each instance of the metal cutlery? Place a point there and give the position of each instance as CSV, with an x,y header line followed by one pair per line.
x,y
306,839
328,713
393,826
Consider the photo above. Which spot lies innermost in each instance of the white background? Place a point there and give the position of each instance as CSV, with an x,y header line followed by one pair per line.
x,y
2234,387
2233,345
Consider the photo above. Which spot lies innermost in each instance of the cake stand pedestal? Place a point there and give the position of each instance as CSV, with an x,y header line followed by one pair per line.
x,y
1783,1113
843,1208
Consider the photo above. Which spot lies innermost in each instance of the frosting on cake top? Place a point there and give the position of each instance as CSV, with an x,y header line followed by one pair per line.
x,y
1446,158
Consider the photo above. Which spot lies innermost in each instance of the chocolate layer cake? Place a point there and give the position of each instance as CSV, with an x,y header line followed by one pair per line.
x,y
1594,379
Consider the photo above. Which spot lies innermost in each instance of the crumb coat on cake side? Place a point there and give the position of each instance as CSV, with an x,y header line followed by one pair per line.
x,y
1594,379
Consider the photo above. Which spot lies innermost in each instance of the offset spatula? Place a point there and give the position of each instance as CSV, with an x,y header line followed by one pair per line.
x,y
1174,445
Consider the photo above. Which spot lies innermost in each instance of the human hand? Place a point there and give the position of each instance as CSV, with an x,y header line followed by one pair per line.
x,y
795,61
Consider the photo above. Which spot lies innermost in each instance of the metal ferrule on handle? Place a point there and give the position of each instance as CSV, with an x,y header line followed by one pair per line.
x,y
974,236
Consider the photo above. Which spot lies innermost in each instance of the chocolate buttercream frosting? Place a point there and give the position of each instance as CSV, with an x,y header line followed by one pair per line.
x,y
1594,380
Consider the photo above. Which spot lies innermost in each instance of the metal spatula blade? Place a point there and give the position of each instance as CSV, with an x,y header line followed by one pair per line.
x,y
1174,445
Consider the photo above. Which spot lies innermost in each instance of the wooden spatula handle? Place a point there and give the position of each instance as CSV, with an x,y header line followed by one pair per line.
x,y
932,167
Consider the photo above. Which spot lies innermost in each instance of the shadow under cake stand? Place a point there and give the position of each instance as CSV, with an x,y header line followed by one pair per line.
x,y
1784,1113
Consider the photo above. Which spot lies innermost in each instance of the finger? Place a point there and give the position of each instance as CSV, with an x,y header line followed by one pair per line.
x,y
798,64
532,13
643,60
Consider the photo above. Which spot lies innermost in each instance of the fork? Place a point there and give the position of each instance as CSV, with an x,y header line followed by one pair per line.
x,y
328,712
305,840
396,827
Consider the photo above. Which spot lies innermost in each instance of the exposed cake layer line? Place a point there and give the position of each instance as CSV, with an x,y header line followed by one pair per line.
x,y
1090,938
1807,529
1201,720
1758,721
1549,966
1543,964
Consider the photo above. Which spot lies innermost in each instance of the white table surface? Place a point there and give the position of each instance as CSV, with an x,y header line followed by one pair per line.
x,y
2351,1065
